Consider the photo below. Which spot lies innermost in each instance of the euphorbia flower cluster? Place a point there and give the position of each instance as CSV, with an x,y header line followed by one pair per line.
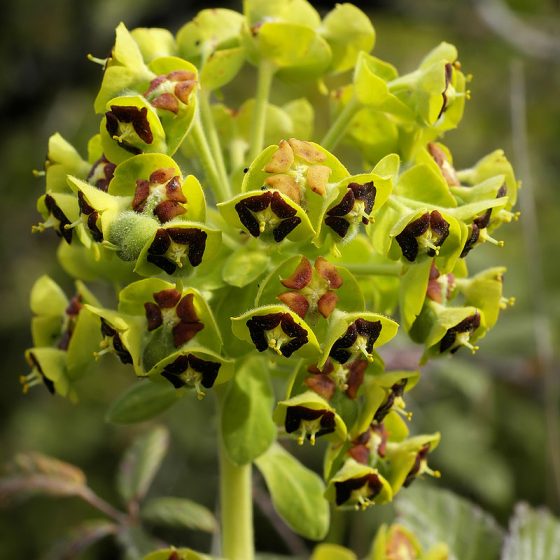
x,y
229,251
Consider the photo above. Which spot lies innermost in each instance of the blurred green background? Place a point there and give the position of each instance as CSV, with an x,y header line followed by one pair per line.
x,y
498,411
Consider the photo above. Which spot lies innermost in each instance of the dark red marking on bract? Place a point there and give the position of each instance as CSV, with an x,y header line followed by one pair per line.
x,y
345,488
260,324
207,369
356,373
296,414
420,456
470,324
153,315
48,383
300,277
56,211
396,390
130,114
167,298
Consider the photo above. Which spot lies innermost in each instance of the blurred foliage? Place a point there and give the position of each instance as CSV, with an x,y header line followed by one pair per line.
x,y
489,408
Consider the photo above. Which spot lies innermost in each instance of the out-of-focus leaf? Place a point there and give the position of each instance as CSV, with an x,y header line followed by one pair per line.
x,y
80,538
21,487
244,267
137,543
180,513
440,516
141,462
534,534
297,493
142,401
37,463
329,551
247,425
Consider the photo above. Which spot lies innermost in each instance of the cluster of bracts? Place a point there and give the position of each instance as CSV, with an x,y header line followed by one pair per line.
x,y
291,256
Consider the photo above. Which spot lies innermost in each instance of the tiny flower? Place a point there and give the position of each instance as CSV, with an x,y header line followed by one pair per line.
x,y
408,460
308,416
441,156
358,339
257,213
176,312
425,234
161,192
358,486
123,121
312,288
48,367
101,173
459,335
170,91
172,247
195,368
371,442
440,286
354,208
60,211
348,378
354,336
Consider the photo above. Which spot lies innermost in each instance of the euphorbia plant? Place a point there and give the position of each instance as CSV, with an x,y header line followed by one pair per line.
x,y
252,265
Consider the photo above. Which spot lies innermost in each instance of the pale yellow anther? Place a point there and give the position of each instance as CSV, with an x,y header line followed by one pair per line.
x,y
282,159
306,151
38,173
262,226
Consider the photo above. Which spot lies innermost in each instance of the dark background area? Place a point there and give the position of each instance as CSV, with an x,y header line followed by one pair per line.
x,y
495,420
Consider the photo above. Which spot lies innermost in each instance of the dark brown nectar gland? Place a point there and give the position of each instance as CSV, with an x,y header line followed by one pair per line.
x,y
189,370
93,223
358,340
267,212
127,125
354,208
440,286
332,376
101,173
420,467
161,195
36,376
393,401
69,321
277,331
428,232
176,313
359,492
459,335
112,342
171,248
373,440
57,220
171,91
309,423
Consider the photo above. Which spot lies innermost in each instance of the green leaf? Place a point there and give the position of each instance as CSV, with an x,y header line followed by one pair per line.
x,y
221,67
297,493
348,31
244,266
247,425
142,401
140,463
329,551
534,534
441,516
179,513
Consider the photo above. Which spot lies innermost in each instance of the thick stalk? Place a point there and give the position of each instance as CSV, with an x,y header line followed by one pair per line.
x,y
265,74
204,153
236,500
213,138
339,126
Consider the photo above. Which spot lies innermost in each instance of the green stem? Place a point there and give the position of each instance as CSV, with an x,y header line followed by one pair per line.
x,y
341,123
265,74
236,504
213,138
373,269
237,151
204,153
401,205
